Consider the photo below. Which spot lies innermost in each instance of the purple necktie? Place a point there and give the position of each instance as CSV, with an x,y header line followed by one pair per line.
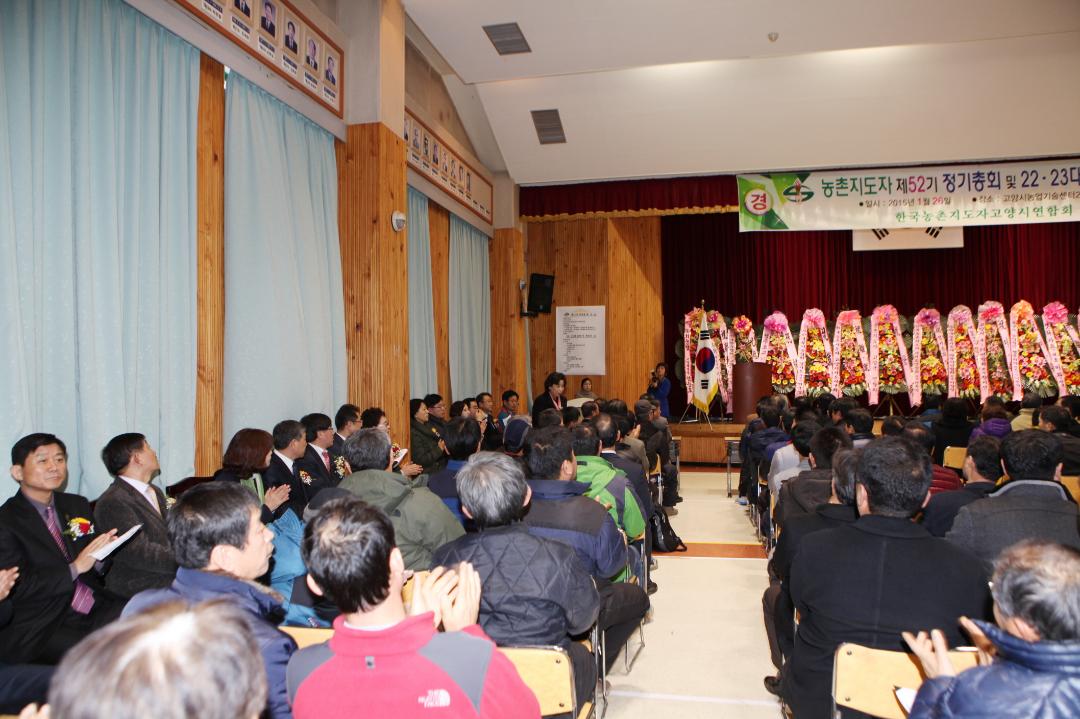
x,y
326,459
83,600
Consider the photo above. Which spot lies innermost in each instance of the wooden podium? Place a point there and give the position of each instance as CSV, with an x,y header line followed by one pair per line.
x,y
750,382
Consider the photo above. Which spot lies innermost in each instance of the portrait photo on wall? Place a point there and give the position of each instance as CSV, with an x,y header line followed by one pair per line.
x,y
243,7
268,22
311,52
331,69
292,34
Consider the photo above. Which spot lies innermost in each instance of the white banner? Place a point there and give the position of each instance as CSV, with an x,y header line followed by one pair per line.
x,y
947,196
581,340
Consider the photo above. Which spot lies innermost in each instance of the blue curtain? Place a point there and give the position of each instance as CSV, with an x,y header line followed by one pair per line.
x,y
470,310
284,307
423,377
98,114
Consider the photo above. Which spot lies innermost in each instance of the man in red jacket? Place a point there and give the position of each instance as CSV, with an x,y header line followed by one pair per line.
x,y
382,661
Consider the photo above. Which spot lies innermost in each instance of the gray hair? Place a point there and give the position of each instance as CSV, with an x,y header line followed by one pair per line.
x,y
1039,581
367,449
492,487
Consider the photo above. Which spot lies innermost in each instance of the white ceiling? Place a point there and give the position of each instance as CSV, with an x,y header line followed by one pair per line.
x,y
675,87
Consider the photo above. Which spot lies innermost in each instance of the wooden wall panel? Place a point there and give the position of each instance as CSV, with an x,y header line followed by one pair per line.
x,y
210,247
576,253
374,261
506,261
439,228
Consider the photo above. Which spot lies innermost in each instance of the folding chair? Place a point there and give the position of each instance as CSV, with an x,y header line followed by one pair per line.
x,y
548,672
1071,483
954,457
865,679
307,636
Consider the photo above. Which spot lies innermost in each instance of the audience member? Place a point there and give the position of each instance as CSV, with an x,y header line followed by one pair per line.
x,y
630,446
460,408
510,400
995,422
660,388
534,589
571,417
931,408
860,425
1031,404
1032,504
145,561
381,658
838,410
945,480
868,581
759,437
1071,402
981,471
172,661
20,684
589,410
375,417
493,430
1029,667
803,494
428,449
327,467
422,523
437,410
952,428
893,425
800,442
222,546
347,420
549,417
246,458
516,434
822,404
657,439
60,596
551,398
1056,420
463,439
290,444
607,430
586,389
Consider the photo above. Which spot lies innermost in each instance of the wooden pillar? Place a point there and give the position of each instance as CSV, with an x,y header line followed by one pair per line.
x,y
210,188
507,263
439,230
374,265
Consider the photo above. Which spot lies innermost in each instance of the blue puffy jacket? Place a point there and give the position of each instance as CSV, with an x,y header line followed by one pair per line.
x,y
1028,681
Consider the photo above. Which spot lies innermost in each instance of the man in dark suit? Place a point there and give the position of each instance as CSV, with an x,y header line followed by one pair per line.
x,y
290,444
20,684
268,18
327,467
868,581
657,439
346,421
59,597
146,560
982,469
1057,420
290,36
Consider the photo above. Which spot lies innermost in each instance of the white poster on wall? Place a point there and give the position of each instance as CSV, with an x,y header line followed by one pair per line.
x,y
581,340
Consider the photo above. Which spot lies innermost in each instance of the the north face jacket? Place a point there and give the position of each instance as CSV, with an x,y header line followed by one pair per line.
x,y
611,488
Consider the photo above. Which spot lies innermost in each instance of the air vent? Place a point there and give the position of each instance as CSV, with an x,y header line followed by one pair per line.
x,y
507,38
549,127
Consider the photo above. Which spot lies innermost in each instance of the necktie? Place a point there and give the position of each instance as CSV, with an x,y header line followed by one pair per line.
x,y
326,459
83,599
152,498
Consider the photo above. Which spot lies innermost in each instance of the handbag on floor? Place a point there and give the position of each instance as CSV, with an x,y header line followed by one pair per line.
x,y
663,536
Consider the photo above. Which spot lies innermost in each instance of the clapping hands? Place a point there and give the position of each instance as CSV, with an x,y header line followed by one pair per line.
x,y
452,594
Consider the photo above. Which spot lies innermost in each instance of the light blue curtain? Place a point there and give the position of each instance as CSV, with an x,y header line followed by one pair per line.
x,y
98,114
284,308
423,376
470,310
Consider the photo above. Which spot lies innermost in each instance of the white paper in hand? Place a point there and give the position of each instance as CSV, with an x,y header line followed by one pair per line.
x,y
906,697
400,455
115,544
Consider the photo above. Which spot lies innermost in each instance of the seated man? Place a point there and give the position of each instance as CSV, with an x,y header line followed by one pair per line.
x,y
982,469
381,660
222,546
493,429
47,534
561,511
422,523
146,560
1031,505
757,437
945,480
607,485
800,442
812,488
535,590
463,439
290,444
376,417
509,408
860,425
172,660
20,684
607,430
325,466
346,421
657,438
868,581
1035,671
1057,420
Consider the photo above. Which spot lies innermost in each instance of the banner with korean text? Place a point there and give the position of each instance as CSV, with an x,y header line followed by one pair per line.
x,y
942,196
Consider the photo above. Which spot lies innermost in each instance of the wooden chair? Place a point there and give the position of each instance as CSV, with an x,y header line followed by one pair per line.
x,y
1072,483
175,490
410,585
306,636
954,457
547,671
864,679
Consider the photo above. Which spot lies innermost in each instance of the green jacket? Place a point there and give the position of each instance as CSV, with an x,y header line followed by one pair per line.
x,y
610,487
422,523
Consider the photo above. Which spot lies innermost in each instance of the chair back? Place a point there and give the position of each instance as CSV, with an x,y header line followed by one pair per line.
x,y
306,636
410,585
865,679
175,490
1072,483
547,672
954,457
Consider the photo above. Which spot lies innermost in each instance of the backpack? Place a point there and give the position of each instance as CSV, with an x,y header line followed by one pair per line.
x,y
664,538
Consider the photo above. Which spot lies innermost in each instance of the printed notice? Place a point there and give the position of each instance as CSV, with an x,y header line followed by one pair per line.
x,y
581,340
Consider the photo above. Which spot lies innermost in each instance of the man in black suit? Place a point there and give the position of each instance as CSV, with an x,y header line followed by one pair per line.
x,y
346,421
290,444
982,469
319,460
20,684
868,581
47,534
290,36
242,6
1057,420
268,18
146,560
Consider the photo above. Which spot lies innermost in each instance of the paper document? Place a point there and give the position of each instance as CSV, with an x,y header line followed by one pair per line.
x,y
400,455
906,697
115,544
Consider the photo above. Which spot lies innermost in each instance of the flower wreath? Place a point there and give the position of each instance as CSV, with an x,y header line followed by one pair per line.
x,y
849,361
1063,342
812,374
995,357
965,377
890,371
743,330
1029,369
778,349
929,373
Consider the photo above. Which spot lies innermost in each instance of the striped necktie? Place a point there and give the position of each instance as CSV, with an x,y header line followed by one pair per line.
x,y
83,599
